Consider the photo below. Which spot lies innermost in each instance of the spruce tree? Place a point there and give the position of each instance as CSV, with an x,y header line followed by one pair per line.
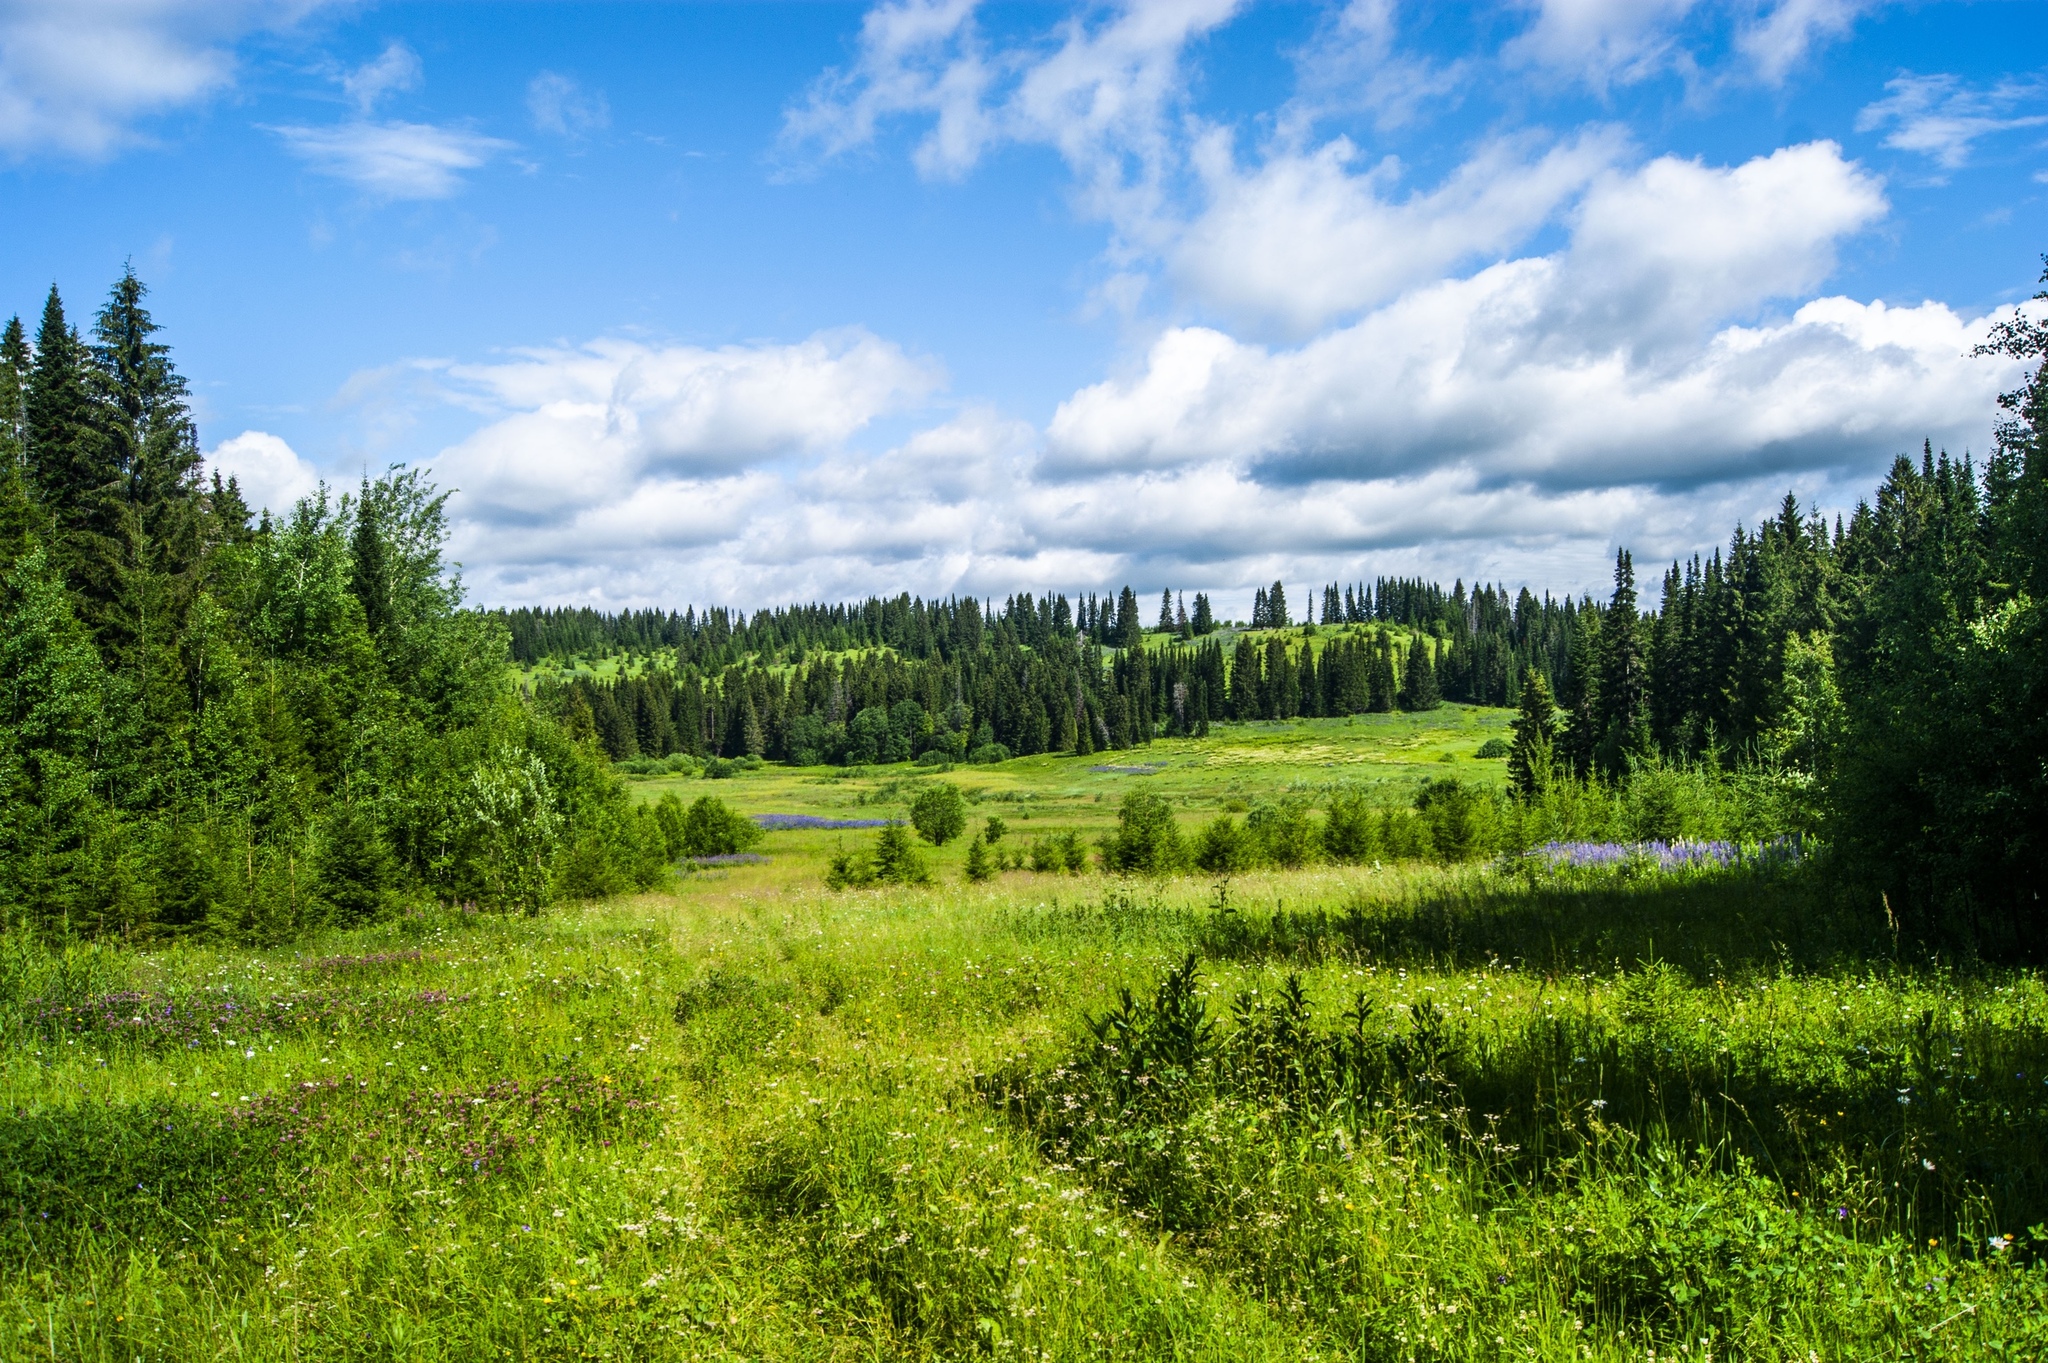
x,y
1203,620
1419,689
1535,730
1381,685
70,468
20,516
1624,674
1579,689
1276,607
150,437
1166,611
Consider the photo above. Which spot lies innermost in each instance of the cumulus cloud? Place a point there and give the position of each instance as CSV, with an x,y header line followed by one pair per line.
x,y
1600,364
269,472
1941,118
560,106
393,160
1304,237
584,431
76,75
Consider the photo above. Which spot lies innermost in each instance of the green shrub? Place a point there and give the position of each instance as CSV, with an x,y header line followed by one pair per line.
x,y
1057,852
1283,833
892,859
1492,749
1347,832
1223,849
938,814
1147,841
712,828
980,865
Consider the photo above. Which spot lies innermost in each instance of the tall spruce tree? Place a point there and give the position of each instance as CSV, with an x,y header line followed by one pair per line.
x,y
72,471
1535,730
1619,706
1419,689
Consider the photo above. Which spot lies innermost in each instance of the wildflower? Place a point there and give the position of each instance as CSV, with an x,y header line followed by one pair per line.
x,y
1928,1165
2000,1243
1841,1213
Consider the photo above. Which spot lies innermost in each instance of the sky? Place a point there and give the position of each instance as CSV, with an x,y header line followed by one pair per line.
x,y
748,303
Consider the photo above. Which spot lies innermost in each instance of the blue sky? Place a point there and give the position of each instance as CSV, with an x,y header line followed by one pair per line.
x,y
750,302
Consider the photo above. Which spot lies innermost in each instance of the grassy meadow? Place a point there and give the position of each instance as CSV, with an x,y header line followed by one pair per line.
x,y
1361,1112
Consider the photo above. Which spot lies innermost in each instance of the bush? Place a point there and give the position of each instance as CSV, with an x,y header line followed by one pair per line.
x,y
1491,749
712,828
993,830
1284,834
938,814
1347,832
668,817
1147,841
1222,848
980,865
988,753
1060,852
892,859
1453,811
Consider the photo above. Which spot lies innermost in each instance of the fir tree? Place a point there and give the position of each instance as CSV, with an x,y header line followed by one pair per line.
x,y
1619,703
1535,730
1166,611
70,469
1204,618
1381,686
1419,689
980,865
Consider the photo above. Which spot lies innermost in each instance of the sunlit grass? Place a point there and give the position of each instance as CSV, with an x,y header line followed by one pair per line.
x,y
753,1118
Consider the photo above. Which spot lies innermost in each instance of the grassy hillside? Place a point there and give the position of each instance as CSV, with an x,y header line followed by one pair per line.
x,y
1383,1113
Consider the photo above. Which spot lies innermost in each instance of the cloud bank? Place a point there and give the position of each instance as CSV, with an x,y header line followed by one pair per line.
x,y
1336,365
1639,384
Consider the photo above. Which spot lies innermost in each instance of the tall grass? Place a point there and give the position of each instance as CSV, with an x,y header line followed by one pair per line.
x,y
1414,1113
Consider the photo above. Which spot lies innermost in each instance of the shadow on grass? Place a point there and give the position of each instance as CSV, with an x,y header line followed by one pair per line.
x,y
1709,926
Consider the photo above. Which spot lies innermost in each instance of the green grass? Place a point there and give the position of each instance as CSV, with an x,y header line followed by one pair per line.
x,y
751,1118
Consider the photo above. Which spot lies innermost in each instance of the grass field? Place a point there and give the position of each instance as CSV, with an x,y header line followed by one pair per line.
x,y
1339,1112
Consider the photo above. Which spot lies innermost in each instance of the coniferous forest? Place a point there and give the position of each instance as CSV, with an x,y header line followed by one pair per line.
x,y
241,726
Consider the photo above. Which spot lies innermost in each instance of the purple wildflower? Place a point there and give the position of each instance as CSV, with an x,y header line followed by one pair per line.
x,y
777,823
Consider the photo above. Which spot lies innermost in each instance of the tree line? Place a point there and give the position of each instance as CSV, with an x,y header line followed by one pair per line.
x,y
225,723
214,723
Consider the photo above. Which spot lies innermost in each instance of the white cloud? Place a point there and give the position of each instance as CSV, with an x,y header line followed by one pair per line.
x,y
1779,40
75,75
394,160
268,471
1607,363
1602,41
1303,238
396,68
560,106
1618,42
1106,93
583,431
1941,118
1355,62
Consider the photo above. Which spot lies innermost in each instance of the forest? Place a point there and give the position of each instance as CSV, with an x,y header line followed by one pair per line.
x,y
245,726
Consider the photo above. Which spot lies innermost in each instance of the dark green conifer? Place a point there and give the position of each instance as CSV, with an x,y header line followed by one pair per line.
x,y
1535,730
